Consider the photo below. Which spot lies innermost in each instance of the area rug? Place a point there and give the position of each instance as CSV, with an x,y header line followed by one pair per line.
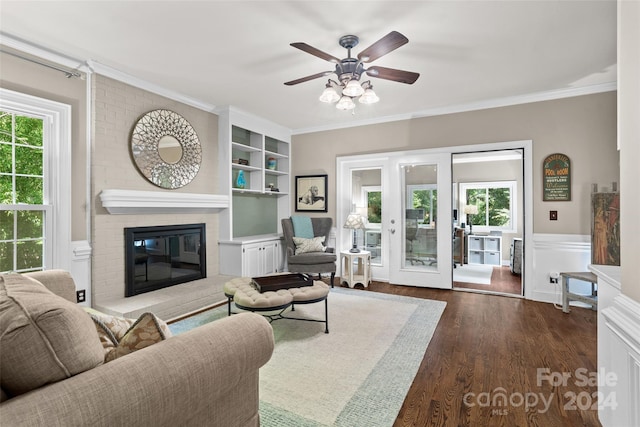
x,y
473,273
356,375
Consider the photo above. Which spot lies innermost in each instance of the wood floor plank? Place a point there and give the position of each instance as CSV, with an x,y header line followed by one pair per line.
x,y
481,366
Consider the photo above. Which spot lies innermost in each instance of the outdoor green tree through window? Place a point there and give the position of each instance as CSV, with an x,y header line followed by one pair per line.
x,y
21,192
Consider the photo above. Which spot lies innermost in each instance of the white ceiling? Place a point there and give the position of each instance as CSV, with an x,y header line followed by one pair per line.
x,y
468,53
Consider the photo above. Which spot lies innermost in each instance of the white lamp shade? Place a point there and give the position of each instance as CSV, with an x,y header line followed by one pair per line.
x,y
470,209
345,103
353,88
329,95
369,97
354,221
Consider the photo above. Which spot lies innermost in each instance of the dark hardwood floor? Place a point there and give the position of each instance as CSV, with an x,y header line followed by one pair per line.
x,y
502,281
482,364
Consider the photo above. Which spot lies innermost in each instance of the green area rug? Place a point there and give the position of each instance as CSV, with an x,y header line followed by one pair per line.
x,y
357,375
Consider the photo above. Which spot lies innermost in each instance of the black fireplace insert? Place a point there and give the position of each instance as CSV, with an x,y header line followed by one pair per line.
x,y
162,256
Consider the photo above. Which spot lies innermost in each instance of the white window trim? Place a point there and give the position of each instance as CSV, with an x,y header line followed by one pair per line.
x,y
513,187
57,168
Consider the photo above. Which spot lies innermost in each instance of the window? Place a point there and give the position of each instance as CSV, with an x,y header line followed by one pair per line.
x,y
425,197
372,195
496,202
34,183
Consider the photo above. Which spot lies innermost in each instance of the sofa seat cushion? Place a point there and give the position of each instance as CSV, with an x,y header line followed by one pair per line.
x,y
44,338
313,258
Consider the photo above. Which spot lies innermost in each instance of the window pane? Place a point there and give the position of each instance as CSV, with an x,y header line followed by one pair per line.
x,y
30,224
29,190
28,161
6,256
5,126
29,131
6,225
5,158
30,255
6,191
499,214
374,206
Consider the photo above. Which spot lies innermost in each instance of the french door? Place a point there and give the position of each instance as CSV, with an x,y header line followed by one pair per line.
x,y
406,201
420,220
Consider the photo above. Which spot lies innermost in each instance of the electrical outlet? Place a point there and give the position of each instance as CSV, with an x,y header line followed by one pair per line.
x,y
553,280
81,296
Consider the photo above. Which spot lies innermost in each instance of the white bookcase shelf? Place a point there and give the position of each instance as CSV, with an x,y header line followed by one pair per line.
x,y
260,150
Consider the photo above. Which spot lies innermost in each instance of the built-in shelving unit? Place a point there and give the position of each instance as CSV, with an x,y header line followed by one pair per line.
x,y
484,250
258,150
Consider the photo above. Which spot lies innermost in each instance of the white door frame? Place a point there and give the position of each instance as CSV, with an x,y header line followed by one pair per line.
x,y
343,191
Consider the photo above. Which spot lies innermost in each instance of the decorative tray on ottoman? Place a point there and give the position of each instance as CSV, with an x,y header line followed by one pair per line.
x,y
281,281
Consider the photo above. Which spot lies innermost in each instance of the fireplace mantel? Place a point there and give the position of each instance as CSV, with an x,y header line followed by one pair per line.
x,y
135,202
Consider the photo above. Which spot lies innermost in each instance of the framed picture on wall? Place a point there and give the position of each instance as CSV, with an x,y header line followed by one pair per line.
x,y
311,193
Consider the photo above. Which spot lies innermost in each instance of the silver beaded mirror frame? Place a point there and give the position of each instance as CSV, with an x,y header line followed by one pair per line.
x,y
166,149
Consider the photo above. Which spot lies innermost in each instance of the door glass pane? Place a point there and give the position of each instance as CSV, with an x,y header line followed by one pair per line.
x,y
420,219
366,200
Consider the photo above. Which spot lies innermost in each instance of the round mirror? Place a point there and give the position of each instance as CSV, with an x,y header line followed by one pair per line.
x,y
169,149
166,149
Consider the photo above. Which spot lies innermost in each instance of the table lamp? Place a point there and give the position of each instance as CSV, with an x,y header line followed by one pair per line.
x,y
354,222
470,210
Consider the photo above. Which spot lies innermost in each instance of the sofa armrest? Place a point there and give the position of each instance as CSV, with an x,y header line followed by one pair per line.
x,y
60,282
207,376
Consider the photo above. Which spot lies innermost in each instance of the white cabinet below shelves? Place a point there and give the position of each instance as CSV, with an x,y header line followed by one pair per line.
x,y
251,257
484,250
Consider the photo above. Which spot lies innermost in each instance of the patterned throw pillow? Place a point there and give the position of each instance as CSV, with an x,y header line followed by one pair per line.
x,y
309,245
120,336
147,330
110,329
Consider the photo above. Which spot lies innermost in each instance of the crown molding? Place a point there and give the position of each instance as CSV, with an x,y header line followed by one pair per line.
x,y
123,77
42,53
474,106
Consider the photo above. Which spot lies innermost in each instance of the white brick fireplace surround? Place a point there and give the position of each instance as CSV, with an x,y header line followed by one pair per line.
x,y
134,208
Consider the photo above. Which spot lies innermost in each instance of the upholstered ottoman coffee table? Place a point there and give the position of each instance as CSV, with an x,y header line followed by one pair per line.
x,y
245,296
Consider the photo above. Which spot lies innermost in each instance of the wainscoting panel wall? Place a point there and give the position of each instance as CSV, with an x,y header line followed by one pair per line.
x,y
618,351
556,253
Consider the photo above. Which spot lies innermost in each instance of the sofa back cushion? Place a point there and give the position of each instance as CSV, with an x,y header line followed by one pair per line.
x,y
44,338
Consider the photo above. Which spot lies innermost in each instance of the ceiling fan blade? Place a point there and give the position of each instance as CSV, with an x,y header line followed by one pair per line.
x,y
401,76
388,43
306,79
316,52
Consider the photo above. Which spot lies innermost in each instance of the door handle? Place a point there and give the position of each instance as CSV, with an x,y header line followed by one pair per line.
x,y
392,230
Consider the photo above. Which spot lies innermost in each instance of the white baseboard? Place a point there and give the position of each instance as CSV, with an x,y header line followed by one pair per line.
x,y
556,253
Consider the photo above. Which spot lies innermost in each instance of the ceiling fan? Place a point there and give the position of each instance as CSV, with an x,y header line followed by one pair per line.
x,y
349,70
352,68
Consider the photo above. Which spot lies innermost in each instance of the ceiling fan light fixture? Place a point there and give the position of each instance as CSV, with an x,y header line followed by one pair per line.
x,y
369,97
329,95
345,103
353,88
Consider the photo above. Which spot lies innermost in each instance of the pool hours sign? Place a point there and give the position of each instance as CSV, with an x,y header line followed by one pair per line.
x,y
556,178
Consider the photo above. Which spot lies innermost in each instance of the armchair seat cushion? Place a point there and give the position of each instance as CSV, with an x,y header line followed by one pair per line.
x,y
313,258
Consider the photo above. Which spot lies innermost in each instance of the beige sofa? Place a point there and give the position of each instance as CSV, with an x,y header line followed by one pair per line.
x,y
205,377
